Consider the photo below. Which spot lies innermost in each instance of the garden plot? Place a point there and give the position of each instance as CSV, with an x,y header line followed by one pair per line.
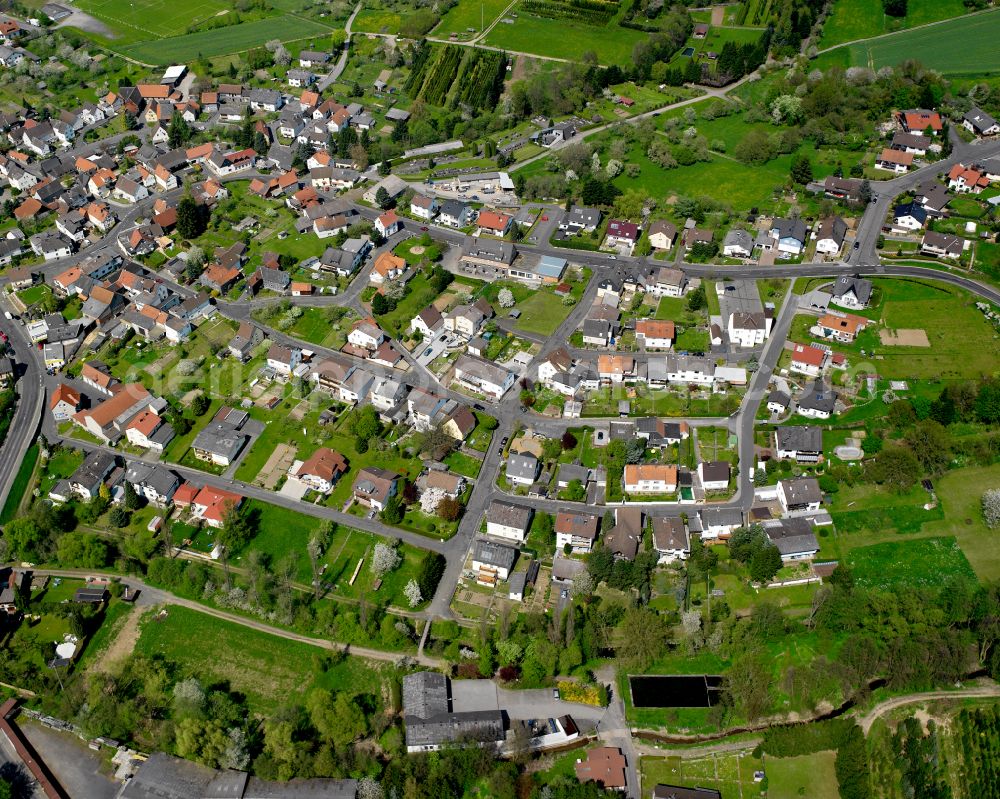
x,y
276,466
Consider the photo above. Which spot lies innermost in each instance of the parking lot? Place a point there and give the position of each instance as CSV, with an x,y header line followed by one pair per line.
x,y
428,351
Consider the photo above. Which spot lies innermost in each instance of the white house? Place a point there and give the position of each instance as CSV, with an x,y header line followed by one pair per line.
x,y
507,520
749,329
670,539
799,495
578,531
714,475
482,376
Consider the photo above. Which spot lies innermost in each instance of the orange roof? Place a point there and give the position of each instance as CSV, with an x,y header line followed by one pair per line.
x,y
636,472
848,323
811,356
64,393
654,328
185,494
388,219
220,275
29,208
85,164
608,364
325,463
153,91
491,220
98,211
309,98
111,409
387,262
200,151
971,177
288,179
921,120
216,502
605,765
302,288
69,277
891,156
146,423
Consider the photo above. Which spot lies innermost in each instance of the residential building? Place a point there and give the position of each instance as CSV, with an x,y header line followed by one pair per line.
x,y
737,244
427,322
482,376
818,402
492,561
424,207
921,121
283,360
208,503
714,475
942,245
967,179
108,419
980,123
387,267
671,539
575,530
838,326
801,443
909,216
791,236
662,235
719,522
321,470
604,765
493,223
895,161
793,537
852,292
522,469
374,487
801,494
223,438
156,484
90,475
650,478
749,329
507,520
655,334
581,219
808,360
149,430
830,235
64,402
388,224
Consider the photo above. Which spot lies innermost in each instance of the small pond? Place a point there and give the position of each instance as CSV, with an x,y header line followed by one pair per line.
x,y
686,690
688,52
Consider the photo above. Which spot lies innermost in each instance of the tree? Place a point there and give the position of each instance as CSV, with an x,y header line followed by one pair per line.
x,y
505,298
238,527
338,719
895,467
449,509
315,550
384,560
179,132
370,788
393,511
865,191
83,550
931,443
766,563
748,684
119,517
696,300
413,594
991,508
568,440
191,221
132,500
895,8
801,171
754,148
380,305
643,636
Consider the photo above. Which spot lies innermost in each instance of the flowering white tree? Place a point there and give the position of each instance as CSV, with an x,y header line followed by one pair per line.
x,y
384,560
506,298
370,788
412,593
430,500
614,168
991,508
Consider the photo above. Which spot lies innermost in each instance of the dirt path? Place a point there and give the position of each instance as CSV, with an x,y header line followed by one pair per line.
x,y
123,642
984,691
718,15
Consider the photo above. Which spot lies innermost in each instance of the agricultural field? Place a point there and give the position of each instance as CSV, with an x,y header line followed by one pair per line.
x,y
566,39
450,74
851,20
270,671
153,31
469,14
959,46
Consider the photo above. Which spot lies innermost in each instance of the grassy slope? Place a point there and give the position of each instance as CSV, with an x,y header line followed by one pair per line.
x,y
807,775
271,671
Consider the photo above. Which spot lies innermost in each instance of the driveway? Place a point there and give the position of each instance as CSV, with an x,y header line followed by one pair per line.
x,y
470,695
77,768
428,351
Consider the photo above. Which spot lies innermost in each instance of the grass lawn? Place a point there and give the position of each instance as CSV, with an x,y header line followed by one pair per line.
x,y
850,20
421,294
562,38
960,493
152,19
377,20
269,670
20,485
960,46
895,565
542,313
807,775
34,294
463,464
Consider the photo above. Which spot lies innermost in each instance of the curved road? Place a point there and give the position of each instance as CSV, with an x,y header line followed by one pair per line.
x,y
983,692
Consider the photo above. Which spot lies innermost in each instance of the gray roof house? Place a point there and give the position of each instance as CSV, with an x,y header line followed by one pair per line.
x,y
852,292
522,469
430,722
793,537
